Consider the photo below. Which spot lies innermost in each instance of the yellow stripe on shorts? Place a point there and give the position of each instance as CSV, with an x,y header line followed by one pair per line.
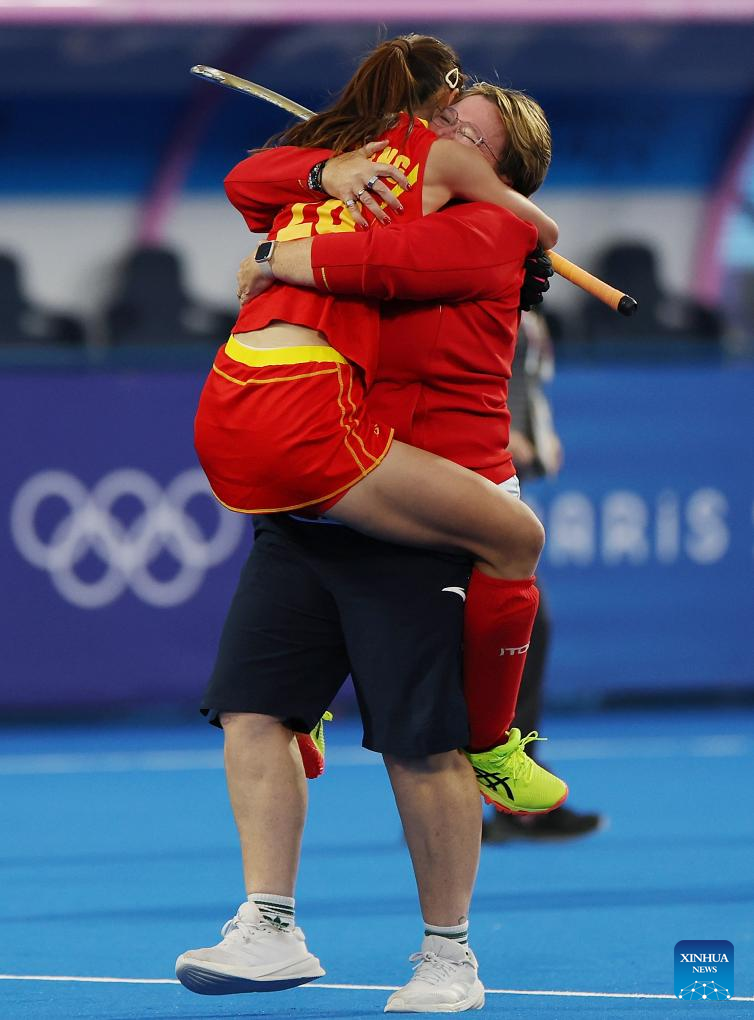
x,y
256,357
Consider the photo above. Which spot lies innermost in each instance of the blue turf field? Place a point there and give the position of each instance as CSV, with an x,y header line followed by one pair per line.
x,y
119,852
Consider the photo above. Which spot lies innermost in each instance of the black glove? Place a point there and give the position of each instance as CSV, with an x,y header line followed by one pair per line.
x,y
538,269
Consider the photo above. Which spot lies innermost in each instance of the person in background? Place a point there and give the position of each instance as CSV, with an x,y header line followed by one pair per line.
x,y
537,453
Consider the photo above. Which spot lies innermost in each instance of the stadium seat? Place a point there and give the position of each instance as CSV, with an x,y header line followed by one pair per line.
x,y
633,267
153,306
25,324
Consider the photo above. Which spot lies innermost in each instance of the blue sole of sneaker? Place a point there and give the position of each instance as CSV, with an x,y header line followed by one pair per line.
x,y
205,982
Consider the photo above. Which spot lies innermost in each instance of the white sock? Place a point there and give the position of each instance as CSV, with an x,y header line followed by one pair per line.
x,y
456,932
276,910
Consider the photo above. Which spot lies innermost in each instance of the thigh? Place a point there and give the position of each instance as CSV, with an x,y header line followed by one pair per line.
x,y
418,499
281,651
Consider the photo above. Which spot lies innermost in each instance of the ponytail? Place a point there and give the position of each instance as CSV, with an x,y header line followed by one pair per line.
x,y
401,74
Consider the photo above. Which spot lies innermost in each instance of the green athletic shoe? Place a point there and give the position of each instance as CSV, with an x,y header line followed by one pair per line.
x,y
512,781
312,748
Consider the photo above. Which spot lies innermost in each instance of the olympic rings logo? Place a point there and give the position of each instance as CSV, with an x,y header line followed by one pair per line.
x,y
127,546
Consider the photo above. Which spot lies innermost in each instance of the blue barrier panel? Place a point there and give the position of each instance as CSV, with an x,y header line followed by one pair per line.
x,y
118,565
118,561
649,557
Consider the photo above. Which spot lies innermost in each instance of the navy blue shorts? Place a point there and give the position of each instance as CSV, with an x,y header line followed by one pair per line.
x,y
318,601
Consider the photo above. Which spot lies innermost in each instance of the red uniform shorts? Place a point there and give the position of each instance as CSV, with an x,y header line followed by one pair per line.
x,y
285,428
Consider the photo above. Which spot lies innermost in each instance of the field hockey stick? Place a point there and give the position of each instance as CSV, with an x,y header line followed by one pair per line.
x,y
250,88
612,297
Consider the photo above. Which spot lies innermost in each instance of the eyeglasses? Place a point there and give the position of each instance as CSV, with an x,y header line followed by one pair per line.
x,y
448,118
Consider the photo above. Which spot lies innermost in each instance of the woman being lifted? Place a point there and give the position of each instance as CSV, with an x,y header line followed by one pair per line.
x,y
282,423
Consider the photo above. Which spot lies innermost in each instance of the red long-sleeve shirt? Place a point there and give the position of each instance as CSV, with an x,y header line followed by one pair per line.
x,y
443,368
351,325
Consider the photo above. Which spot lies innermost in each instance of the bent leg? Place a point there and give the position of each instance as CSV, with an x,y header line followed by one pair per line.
x,y
416,498
499,618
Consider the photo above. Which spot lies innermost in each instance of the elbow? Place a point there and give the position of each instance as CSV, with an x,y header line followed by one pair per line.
x,y
548,235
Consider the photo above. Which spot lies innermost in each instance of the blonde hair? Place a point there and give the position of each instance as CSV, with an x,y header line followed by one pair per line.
x,y
400,74
528,152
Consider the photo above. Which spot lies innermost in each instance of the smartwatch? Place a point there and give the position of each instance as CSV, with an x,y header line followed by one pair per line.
x,y
262,257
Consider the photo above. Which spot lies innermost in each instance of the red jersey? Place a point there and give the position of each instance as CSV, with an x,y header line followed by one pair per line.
x,y
442,377
261,458
350,325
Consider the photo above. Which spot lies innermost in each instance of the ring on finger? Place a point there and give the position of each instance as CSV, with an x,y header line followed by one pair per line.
x,y
371,182
360,193
350,202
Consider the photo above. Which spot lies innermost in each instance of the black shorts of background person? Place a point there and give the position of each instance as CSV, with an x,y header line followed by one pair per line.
x,y
317,601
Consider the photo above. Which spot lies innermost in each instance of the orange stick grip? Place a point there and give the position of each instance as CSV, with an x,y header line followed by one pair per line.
x,y
591,284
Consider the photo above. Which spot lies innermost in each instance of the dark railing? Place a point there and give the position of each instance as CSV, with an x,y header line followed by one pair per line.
x,y
638,351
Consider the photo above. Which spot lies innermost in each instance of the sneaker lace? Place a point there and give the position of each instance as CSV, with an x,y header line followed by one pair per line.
x,y
520,764
245,929
432,968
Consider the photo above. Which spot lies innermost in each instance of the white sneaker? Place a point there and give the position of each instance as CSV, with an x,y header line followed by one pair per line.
x,y
254,956
445,980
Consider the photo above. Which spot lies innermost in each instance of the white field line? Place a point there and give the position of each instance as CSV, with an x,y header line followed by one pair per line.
x,y
89,980
355,988
109,761
712,746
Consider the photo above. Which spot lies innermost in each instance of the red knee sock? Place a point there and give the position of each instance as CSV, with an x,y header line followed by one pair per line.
x,y
497,628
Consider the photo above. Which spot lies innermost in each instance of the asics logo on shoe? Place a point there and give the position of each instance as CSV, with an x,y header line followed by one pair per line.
x,y
522,650
457,591
492,781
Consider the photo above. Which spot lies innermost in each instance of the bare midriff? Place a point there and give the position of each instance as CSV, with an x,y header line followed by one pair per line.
x,y
282,334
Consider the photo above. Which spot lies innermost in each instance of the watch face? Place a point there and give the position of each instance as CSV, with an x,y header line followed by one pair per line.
x,y
264,251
